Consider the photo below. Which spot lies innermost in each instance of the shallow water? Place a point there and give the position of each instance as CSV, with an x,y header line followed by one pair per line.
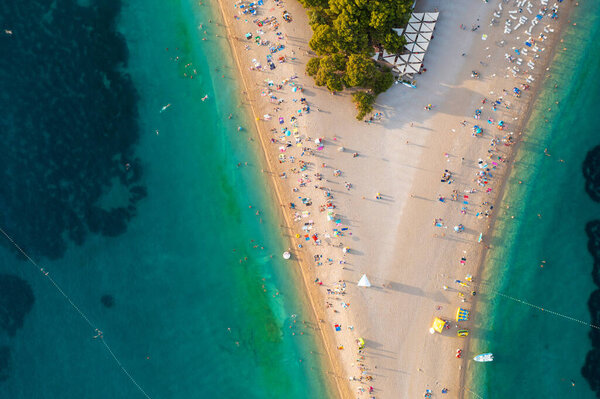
x,y
142,216
541,256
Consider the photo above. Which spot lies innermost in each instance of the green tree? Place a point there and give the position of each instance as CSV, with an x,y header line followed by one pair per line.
x,y
329,66
345,33
334,83
351,34
317,16
382,81
324,40
359,70
314,3
392,42
363,102
312,66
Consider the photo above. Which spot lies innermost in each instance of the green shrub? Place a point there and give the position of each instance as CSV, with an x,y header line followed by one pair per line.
x,y
363,102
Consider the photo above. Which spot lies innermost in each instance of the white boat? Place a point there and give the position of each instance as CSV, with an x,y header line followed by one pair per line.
x,y
484,357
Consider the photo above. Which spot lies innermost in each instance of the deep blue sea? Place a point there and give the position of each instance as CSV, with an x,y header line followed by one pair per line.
x,y
548,255
151,222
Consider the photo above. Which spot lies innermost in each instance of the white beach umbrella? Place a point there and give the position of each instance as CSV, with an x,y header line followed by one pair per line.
x,y
364,281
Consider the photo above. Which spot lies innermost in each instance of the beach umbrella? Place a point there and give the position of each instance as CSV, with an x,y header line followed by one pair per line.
x,y
287,255
364,281
361,343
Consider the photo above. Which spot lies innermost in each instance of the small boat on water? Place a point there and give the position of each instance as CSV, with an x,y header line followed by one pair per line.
x,y
484,357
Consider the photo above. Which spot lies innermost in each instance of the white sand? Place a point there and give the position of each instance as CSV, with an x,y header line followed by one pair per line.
x,y
393,239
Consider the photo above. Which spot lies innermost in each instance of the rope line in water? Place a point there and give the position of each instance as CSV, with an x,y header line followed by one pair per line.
x,y
489,290
547,310
98,334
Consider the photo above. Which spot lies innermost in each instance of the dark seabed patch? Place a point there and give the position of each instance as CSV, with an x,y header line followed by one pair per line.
x,y
108,301
5,363
591,172
16,301
69,124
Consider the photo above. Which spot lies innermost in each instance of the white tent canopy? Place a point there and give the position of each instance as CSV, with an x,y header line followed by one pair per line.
x,y
427,27
414,58
415,18
425,35
411,37
420,47
413,28
418,34
364,281
413,68
409,47
431,16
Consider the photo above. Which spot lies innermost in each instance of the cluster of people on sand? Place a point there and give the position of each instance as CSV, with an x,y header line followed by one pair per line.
x,y
312,205
479,191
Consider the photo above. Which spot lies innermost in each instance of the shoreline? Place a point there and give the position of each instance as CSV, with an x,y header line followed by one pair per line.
x,y
411,288
563,24
276,188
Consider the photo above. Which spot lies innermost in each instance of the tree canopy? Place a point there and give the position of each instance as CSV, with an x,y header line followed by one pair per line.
x,y
345,33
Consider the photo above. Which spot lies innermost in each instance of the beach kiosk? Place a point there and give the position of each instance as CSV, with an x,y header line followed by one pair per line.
x,y
437,326
462,314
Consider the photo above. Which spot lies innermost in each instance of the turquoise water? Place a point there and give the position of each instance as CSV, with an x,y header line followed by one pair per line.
x,y
540,355
156,236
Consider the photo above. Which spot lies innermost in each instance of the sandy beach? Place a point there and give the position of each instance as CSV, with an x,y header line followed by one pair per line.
x,y
371,198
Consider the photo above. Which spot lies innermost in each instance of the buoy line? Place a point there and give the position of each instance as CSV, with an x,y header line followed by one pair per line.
x,y
484,287
97,332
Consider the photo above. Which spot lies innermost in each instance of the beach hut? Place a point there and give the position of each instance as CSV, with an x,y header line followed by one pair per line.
x,y
364,281
437,326
462,314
